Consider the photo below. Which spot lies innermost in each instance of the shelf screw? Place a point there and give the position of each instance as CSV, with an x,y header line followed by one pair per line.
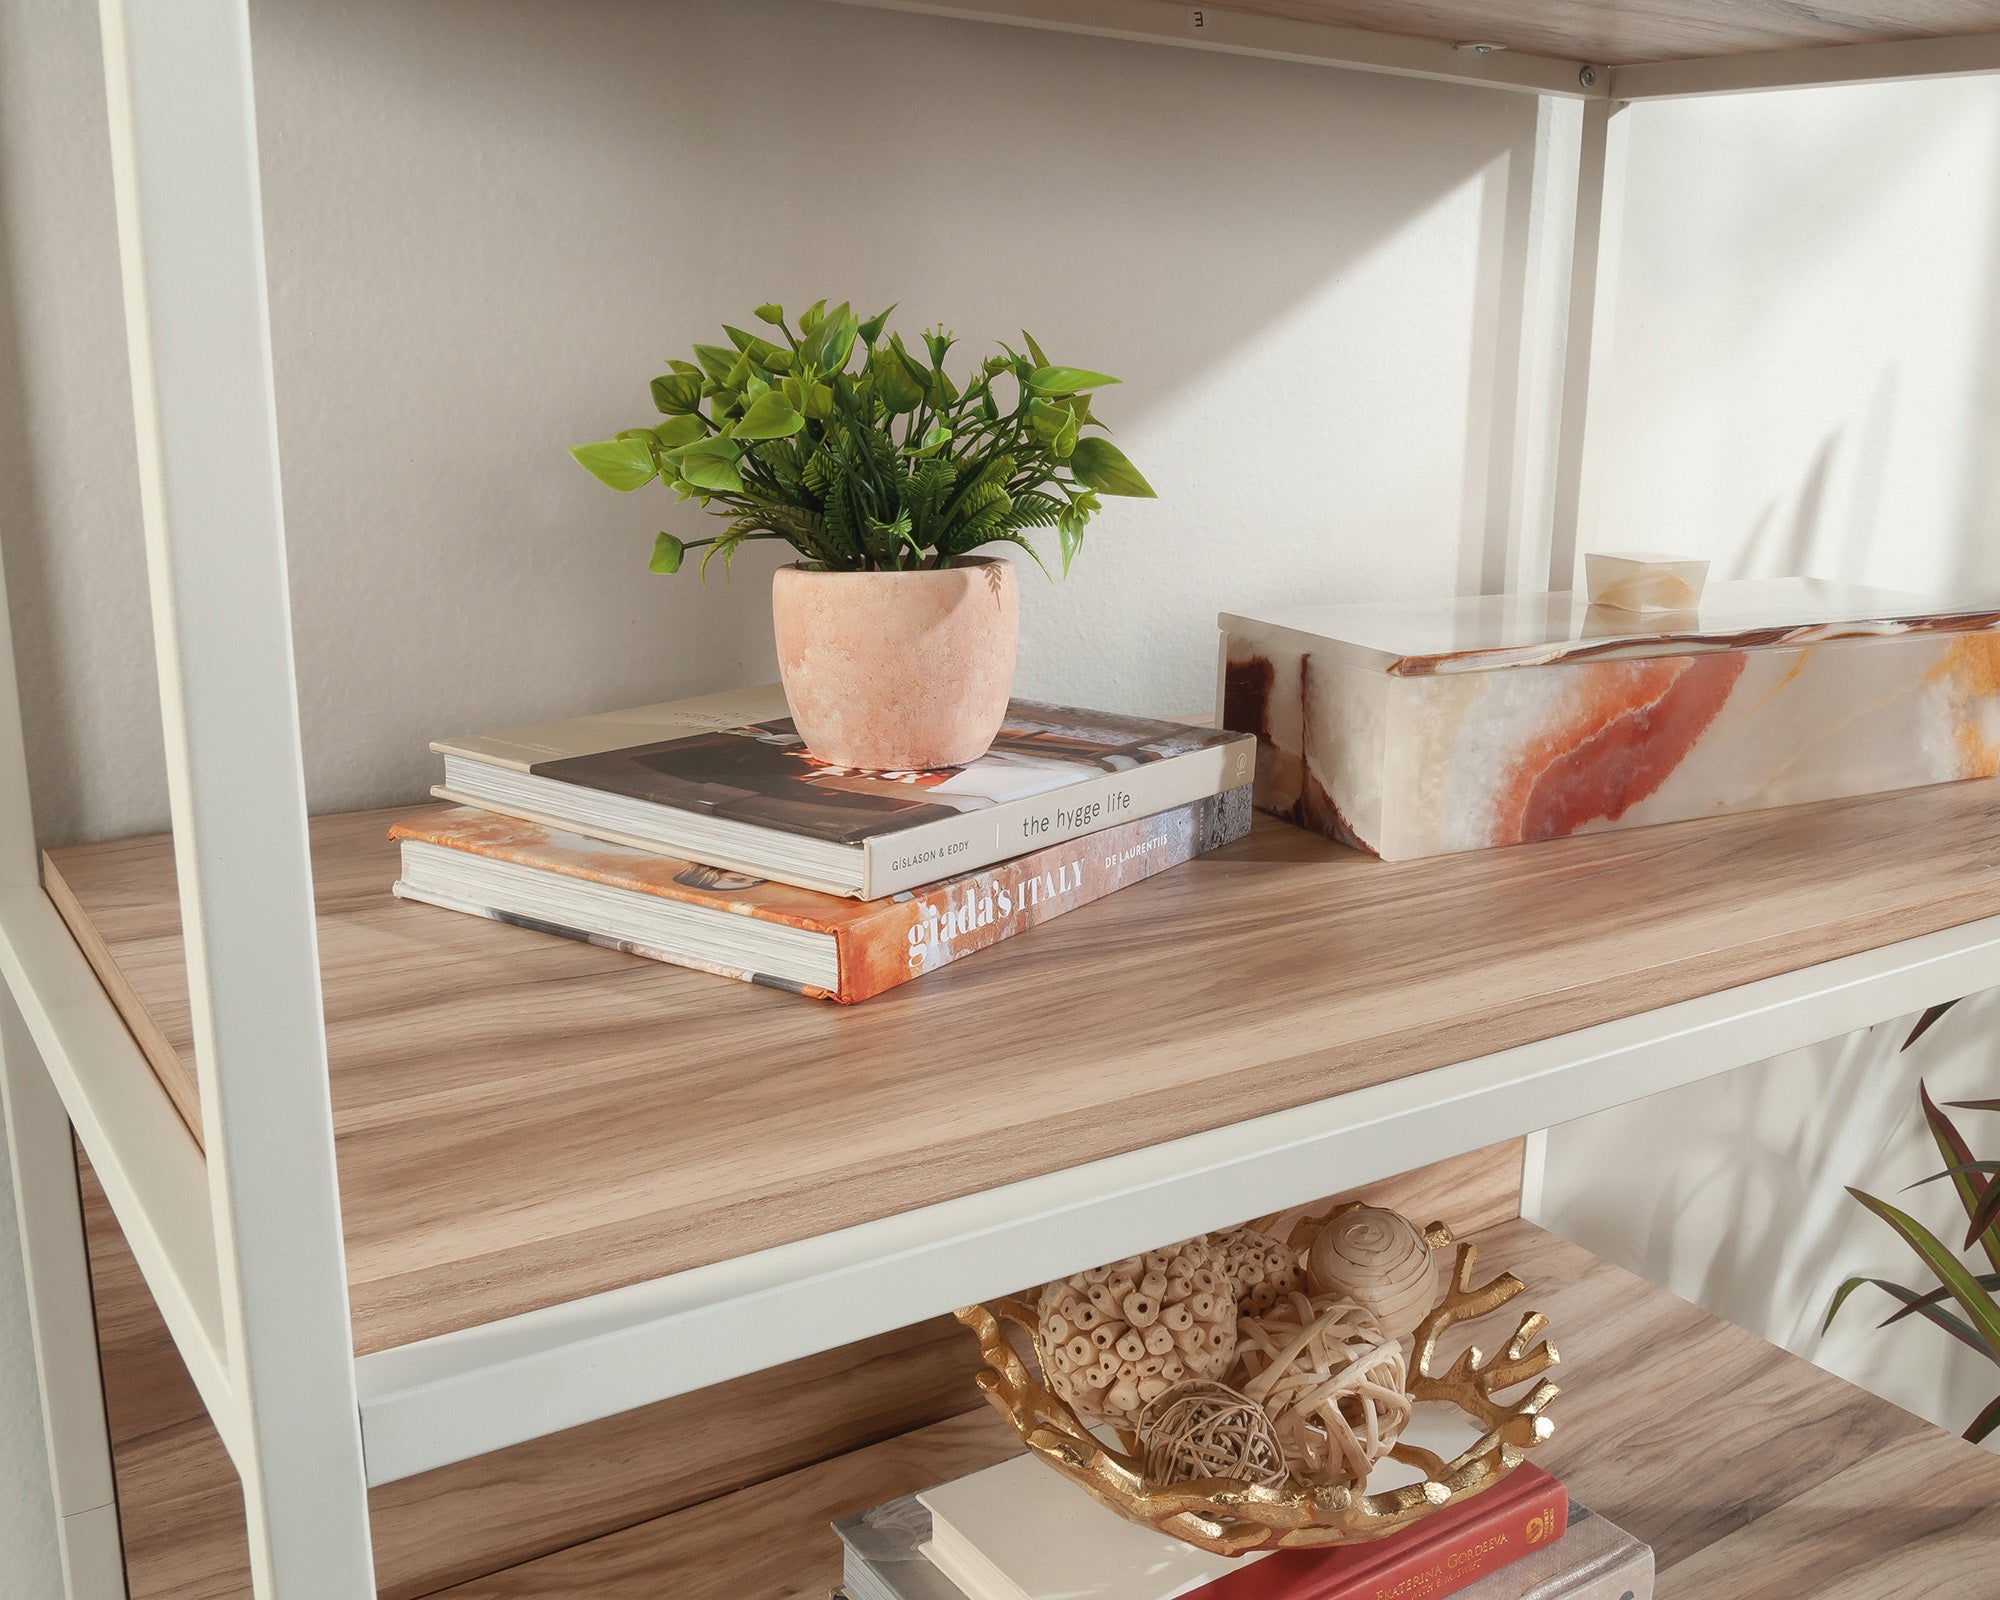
x,y
1587,77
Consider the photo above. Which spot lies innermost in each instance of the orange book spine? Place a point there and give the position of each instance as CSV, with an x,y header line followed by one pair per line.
x,y
923,929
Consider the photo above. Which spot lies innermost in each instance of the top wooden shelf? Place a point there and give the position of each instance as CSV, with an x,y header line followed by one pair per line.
x,y
523,1120
1629,32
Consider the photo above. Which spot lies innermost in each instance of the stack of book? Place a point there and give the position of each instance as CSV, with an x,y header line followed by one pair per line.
x,y
1018,1531
704,834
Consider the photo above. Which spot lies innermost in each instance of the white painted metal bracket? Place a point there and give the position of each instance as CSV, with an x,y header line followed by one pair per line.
x,y
462,1394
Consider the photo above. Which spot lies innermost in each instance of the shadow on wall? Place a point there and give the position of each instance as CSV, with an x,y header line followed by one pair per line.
x,y
1751,1218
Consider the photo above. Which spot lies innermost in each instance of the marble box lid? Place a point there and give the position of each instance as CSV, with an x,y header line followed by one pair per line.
x,y
1479,633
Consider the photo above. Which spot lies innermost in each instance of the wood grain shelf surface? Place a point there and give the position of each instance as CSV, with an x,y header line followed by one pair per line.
x,y
524,1119
1752,1474
1622,32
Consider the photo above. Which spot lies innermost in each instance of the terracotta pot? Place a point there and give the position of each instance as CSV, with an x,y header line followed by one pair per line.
x,y
898,671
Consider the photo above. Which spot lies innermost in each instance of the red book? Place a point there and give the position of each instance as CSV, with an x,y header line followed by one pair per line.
x,y
1436,1556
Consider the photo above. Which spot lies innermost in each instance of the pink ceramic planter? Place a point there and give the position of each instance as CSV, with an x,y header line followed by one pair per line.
x,y
898,671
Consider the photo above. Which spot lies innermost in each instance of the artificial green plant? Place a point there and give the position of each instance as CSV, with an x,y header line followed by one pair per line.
x,y
865,456
1963,1303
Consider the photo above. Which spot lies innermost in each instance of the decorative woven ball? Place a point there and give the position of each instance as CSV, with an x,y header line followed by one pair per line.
x,y
1333,1382
1261,1267
1198,1429
1379,1260
1115,1337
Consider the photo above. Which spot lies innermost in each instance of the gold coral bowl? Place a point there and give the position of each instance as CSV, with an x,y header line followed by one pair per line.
x,y
1230,1518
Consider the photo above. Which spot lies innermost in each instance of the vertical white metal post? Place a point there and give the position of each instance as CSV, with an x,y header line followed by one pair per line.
x,y
184,157
1585,251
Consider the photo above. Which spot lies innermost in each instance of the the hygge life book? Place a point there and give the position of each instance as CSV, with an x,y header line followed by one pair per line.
x,y
725,780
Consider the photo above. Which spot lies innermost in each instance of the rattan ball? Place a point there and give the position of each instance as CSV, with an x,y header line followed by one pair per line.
x,y
1333,1382
1379,1260
1115,1337
1262,1268
1198,1429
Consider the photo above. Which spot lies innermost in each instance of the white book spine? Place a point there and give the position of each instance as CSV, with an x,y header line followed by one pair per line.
x,y
918,856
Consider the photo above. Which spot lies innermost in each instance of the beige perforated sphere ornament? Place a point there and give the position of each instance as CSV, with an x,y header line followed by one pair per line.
x,y
1116,1337
1261,1267
1332,1380
1380,1261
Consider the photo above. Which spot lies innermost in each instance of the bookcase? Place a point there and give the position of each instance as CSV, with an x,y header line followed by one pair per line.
x,y
398,1217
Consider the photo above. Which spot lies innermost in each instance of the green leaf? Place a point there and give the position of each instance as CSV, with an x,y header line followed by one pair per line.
x,y
1979,1307
1034,349
832,337
667,553
677,393
770,417
1099,464
894,386
717,362
680,431
772,313
711,464
1063,445
871,330
1066,380
1069,534
1985,1422
1975,1105
624,464
711,472
1972,1190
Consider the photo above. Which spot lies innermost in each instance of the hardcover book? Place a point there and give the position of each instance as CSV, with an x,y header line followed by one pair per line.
x,y
732,923
726,781
1595,1559
1018,1531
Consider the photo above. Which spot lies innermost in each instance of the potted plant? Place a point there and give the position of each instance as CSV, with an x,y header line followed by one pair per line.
x,y
896,641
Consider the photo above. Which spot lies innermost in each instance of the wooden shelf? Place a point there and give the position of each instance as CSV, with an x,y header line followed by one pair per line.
x,y
1624,32
1754,1475
524,1120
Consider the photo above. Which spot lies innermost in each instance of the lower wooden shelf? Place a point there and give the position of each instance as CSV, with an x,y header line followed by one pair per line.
x,y
1753,1474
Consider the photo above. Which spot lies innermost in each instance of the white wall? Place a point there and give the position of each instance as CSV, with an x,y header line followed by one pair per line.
x,y
1803,375
490,222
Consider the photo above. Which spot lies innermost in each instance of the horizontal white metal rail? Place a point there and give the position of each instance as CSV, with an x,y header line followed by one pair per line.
x,y
1279,39
1825,67
462,1394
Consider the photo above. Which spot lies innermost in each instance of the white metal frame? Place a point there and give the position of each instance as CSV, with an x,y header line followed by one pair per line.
x,y
243,1249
